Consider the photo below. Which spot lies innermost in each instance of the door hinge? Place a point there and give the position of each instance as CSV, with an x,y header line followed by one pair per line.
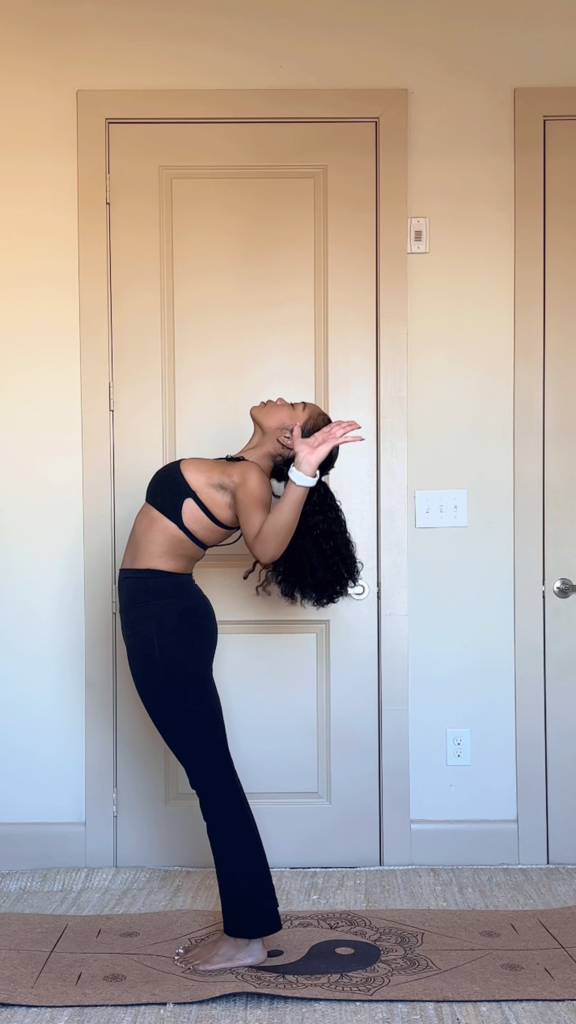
x,y
114,600
114,803
543,589
377,593
108,189
111,395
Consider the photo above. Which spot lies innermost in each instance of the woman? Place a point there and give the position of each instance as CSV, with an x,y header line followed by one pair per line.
x,y
170,630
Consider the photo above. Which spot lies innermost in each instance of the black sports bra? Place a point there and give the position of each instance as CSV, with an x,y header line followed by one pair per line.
x,y
168,490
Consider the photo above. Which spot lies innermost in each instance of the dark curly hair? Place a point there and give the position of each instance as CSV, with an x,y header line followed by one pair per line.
x,y
319,564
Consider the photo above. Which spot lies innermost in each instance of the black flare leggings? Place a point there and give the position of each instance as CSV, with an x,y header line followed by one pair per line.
x,y
170,632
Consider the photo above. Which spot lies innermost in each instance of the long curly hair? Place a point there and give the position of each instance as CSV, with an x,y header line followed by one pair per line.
x,y
320,563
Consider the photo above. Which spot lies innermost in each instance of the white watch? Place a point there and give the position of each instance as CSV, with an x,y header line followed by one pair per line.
x,y
301,479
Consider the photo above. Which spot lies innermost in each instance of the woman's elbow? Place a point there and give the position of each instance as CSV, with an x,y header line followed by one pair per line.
x,y
262,552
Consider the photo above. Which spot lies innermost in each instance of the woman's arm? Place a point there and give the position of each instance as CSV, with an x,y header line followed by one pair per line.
x,y
268,532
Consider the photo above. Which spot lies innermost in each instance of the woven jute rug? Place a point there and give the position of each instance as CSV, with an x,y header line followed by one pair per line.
x,y
444,955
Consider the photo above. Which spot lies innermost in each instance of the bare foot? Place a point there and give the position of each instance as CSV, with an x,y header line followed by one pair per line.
x,y
221,952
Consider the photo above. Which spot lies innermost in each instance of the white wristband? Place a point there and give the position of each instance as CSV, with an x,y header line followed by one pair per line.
x,y
301,479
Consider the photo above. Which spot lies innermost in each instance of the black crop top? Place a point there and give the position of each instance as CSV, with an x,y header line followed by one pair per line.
x,y
168,490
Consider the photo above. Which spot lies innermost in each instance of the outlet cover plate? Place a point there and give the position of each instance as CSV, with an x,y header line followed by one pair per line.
x,y
457,746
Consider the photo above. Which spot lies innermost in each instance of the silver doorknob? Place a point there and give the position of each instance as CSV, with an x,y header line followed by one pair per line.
x,y
564,587
360,591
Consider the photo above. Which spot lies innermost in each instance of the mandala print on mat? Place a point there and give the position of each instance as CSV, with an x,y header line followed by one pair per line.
x,y
364,960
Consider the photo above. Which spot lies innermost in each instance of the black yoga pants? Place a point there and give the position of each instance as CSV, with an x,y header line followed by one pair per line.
x,y
170,632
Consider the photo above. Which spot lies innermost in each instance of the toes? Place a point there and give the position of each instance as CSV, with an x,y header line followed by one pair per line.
x,y
192,959
184,961
187,955
199,962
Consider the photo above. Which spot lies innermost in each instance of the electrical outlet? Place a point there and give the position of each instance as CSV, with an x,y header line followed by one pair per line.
x,y
457,746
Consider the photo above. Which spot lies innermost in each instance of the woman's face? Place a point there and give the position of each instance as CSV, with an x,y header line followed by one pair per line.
x,y
274,414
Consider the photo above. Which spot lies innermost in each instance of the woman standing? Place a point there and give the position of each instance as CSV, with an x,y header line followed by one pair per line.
x,y
170,630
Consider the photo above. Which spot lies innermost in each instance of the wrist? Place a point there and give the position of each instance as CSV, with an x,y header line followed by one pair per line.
x,y
303,479
305,466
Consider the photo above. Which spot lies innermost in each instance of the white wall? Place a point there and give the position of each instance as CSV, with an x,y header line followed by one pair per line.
x,y
461,60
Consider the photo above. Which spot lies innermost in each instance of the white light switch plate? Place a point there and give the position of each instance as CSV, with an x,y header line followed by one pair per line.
x,y
441,508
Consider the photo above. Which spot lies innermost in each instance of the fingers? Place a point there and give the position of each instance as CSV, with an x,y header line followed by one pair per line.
x,y
339,427
330,435
341,430
335,441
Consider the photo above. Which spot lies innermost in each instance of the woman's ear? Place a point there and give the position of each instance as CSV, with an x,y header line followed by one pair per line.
x,y
285,439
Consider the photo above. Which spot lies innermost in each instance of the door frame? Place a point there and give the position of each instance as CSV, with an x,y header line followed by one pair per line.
x,y
387,108
533,107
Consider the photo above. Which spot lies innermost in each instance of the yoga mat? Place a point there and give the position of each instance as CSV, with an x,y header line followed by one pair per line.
x,y
114,959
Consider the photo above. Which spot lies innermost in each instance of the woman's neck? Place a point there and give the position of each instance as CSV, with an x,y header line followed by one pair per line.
x,y
261,454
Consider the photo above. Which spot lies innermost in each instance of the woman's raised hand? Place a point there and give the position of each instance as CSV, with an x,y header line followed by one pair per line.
x,y
310,452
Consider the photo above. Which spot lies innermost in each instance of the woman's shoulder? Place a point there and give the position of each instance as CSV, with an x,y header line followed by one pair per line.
x,y
249,477
233,469
248,470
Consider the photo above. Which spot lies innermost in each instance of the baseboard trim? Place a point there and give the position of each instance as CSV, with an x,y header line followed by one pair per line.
x,y
42,845
436,843
448,843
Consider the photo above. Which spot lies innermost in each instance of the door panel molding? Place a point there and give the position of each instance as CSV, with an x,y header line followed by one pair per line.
x,y
533,107
387,109
167,176
220,559
178,790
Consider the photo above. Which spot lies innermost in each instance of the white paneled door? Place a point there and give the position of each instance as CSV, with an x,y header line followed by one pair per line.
x,y
243,267
560,486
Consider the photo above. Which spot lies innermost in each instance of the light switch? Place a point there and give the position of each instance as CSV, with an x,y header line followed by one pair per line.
x,y
441,508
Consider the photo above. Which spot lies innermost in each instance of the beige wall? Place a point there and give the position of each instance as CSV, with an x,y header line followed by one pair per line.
x,y
461,60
